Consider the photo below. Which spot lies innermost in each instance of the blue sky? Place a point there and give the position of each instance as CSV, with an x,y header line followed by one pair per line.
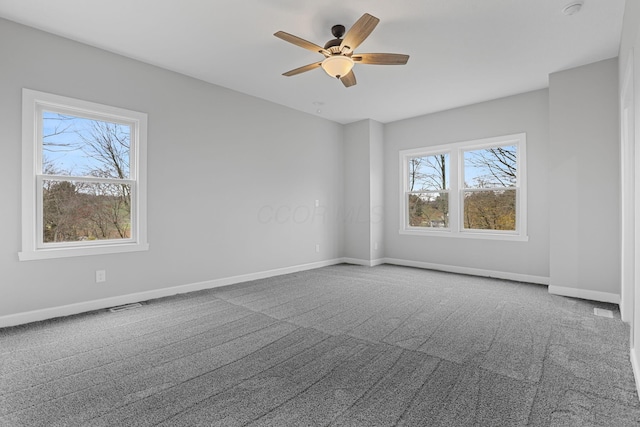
x,y
471,171
63,143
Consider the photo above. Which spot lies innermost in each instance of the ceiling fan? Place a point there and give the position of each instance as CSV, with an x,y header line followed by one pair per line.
x,y
339,52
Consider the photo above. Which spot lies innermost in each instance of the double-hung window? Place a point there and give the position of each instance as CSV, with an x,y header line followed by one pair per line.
x,y
471,189
83,185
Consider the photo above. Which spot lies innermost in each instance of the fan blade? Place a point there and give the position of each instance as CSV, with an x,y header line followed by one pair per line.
x,y
302,69
348,79
358,32
302,43
381,58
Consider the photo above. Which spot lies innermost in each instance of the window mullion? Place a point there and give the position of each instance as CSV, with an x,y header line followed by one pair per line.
x,y
454,184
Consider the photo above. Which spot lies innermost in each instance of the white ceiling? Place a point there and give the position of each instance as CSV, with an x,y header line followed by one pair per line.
x,y
462,51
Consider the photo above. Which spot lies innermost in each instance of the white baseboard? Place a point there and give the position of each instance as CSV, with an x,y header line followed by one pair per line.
x,y
635,364
585,294
471,271
82,307
364,262
70,309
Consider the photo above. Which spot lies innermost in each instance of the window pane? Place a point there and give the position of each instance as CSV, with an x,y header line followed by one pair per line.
x,y
490,210
490,167
429,173
429,210
76,146
81,211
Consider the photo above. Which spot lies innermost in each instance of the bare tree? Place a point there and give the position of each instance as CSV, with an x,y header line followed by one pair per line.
x,y
109,145
59,125
428,178
486,205
499,165
429,171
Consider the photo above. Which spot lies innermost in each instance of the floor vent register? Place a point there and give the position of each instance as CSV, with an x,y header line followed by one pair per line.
x,y
125,307
603,312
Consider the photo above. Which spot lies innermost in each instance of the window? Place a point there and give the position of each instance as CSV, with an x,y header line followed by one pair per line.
x,y
490,188
470,189
428,192
83,187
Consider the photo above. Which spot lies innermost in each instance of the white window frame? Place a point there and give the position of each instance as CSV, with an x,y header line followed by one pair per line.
x,y
456,189
33,246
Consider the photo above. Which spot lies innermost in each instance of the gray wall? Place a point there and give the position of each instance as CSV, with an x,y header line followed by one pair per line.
x,y
584,180
231,190
363,191
522,113
376,176
629,59
357,197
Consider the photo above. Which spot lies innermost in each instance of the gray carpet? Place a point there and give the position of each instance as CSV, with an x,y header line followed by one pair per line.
x,y
338,346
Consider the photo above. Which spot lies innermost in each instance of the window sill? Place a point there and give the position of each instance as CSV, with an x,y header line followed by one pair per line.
x,y
464,235
50,253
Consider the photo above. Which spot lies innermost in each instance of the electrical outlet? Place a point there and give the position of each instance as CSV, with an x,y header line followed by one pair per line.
x,y
101,276
317,248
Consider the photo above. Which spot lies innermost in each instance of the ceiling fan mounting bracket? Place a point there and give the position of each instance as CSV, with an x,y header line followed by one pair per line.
x,y
338,31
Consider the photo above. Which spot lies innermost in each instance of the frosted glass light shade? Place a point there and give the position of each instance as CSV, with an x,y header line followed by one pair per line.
x,y
337,65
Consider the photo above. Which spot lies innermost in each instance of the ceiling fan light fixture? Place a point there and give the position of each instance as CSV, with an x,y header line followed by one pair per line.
x,y
337,65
